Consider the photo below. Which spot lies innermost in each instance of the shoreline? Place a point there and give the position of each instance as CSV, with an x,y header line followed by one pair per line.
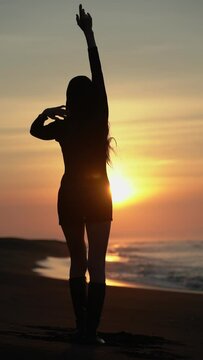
x,y
49,267
55,248
115,283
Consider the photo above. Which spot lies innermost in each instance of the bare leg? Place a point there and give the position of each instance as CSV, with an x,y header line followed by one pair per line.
x,y
74,234
98,236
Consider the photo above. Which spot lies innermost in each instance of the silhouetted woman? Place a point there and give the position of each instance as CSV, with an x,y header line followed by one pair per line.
x,y
84,198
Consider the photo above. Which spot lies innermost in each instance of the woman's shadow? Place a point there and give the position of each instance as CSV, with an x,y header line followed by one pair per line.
x,y
122,345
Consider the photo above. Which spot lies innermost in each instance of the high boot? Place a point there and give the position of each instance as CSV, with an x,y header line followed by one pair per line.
x,y
78,291
96,296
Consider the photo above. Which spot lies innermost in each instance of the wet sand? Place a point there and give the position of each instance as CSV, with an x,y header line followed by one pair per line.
x,y
36,315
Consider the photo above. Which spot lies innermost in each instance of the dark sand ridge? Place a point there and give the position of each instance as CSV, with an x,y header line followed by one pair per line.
x,y
36,314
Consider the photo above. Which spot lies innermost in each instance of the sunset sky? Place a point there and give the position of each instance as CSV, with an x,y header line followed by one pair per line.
x,y
152,56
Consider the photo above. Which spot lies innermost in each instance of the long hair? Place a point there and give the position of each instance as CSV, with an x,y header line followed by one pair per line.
x,y
81,108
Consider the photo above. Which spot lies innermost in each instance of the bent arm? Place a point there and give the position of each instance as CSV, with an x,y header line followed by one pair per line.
x,y
52,130
41,131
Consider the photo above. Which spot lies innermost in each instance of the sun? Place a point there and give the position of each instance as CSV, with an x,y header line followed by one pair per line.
x,y
121,189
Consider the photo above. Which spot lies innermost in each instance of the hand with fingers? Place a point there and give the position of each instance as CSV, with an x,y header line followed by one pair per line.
x,y
84,20
55,113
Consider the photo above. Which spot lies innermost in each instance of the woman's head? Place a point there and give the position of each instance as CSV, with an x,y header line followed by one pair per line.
x,y
81,105
80,96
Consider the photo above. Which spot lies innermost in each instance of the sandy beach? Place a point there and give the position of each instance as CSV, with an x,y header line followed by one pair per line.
x,y
36,315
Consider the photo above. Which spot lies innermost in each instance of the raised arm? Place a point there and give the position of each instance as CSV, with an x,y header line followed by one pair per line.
x,y
84,21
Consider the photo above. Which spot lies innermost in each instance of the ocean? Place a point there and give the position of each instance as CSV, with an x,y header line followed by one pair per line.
x,y
174,265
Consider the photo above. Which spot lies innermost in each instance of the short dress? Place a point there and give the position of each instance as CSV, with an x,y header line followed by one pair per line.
x,y
84,194
86,201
